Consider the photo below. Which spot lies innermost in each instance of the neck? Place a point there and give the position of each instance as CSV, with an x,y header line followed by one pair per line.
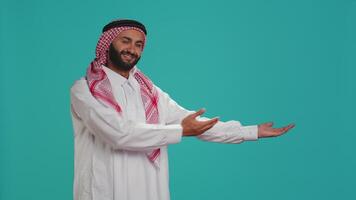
x,y
120,72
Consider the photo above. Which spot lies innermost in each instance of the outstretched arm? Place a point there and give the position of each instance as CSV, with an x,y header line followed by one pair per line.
x,y
224,132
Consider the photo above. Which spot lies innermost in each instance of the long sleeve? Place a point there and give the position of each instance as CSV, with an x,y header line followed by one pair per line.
x,y
223,132
116,131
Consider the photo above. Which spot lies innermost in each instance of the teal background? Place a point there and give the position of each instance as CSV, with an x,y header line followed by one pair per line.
x,y
253,61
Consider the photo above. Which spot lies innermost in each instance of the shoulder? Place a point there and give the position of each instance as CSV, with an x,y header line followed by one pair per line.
x,y
163,95
79,86
159,90
80,93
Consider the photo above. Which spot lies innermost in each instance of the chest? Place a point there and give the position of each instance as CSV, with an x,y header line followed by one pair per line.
x,y
130,99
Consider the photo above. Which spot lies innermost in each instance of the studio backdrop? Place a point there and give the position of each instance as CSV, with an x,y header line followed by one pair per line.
x,y
248,60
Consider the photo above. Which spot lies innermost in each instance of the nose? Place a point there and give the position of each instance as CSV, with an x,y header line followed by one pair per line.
x,y
131,49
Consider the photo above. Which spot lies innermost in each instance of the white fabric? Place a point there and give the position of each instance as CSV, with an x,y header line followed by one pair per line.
x,y
110,159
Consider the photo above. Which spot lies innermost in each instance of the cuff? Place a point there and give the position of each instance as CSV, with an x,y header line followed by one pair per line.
x,y
174,133
250,132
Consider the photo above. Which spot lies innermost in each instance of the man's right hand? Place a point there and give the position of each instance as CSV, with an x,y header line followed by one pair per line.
x,y
193,127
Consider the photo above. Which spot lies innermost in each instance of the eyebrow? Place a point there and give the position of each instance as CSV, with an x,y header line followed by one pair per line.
x,y
127,38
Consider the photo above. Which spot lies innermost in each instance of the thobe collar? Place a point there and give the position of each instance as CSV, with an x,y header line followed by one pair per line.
x,y
117,79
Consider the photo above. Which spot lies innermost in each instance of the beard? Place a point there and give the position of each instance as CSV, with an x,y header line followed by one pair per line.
x,y
116,59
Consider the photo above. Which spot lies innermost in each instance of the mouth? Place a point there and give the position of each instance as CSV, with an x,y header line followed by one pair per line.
x,y
127,57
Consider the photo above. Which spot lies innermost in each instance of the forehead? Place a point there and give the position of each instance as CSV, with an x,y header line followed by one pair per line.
x,y
132,34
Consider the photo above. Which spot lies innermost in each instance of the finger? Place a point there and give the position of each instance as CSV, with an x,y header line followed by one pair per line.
x,y
198,113
284,129
211,122
206,128
270,124
202,126
209,126
290,126
207,122
279,131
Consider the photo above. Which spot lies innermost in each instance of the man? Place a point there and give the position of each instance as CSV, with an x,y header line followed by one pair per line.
x,y
123,123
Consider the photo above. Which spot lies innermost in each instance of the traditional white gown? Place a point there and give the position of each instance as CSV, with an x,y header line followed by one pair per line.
x,y
110,159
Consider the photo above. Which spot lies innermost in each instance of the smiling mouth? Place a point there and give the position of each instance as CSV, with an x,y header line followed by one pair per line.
x,y
127,57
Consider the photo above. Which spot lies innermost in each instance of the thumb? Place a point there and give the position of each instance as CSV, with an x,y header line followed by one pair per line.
x,y
198,113
270,124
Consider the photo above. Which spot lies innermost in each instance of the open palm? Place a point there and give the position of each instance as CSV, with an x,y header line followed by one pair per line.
x,y
266,130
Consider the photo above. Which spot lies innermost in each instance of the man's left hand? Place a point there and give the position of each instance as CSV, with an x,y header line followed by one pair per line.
x,y
266,130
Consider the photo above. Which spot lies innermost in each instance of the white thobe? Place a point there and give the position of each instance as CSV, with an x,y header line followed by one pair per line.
x,y
110,149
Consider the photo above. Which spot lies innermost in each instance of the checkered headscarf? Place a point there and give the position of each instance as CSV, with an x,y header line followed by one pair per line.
x,y
101,89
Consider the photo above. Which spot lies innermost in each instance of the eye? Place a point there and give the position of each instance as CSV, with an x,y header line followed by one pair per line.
x,y
139,45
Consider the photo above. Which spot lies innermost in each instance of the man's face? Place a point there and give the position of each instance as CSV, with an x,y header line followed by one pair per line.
x,y
125,51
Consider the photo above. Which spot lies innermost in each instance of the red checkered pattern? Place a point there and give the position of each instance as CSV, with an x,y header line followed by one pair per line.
x,y
101,89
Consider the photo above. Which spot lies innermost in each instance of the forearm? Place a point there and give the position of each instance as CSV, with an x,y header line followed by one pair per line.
x,y
229,132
